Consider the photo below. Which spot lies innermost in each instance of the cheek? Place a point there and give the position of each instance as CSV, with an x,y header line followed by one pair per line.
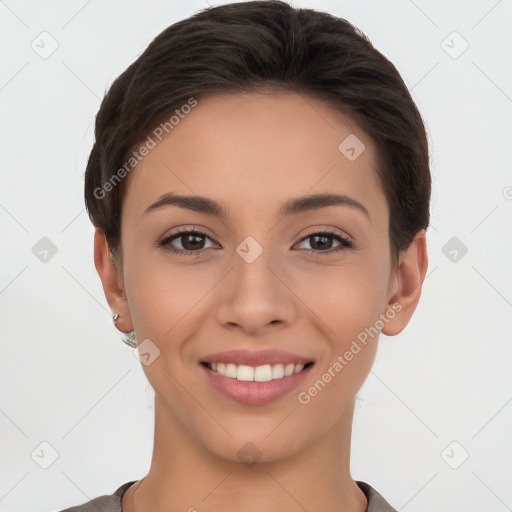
x,y
165,305
348,306
163,300
346,303
345,298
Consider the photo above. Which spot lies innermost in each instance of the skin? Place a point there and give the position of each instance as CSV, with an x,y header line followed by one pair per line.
x,y
252,152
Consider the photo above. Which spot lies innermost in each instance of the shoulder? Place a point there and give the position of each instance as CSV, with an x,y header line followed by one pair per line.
x,y
105,503
376,502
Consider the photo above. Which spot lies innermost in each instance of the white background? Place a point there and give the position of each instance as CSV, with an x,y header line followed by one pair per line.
x,y
68,380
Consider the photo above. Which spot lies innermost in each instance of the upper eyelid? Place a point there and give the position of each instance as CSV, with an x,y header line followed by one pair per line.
x,y
341,234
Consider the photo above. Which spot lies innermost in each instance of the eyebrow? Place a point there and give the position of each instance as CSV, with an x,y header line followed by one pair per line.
x,y
202,204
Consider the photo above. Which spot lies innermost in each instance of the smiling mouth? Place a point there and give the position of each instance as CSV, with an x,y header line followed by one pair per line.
x,y
262,373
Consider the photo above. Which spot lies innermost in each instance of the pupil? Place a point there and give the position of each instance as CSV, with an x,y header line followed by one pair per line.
x,y
321,237
194,244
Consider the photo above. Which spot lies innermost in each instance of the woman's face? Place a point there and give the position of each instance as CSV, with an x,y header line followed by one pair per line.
x,y
307,281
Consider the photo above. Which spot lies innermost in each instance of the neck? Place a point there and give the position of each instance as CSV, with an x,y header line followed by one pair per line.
x,y
185,476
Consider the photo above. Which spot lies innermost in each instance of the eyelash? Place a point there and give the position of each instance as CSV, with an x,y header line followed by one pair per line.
x,y
346,244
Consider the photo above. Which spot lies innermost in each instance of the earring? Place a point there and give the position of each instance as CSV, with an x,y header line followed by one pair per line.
x,y
129,337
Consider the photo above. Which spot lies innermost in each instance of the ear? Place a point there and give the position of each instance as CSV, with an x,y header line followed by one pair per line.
x,y
407,284
112,281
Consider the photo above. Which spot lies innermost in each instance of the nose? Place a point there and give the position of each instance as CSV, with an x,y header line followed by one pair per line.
x,y
257,294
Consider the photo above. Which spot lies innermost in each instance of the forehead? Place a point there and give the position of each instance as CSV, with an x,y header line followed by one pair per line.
x,y
244,148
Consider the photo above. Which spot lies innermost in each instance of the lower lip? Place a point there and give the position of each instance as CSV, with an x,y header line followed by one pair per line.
x,y
254,393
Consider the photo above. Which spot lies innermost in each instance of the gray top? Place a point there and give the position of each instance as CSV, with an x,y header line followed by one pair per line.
x,y
112,502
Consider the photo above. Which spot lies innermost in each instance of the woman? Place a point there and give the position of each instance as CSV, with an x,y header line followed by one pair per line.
x,y
260,189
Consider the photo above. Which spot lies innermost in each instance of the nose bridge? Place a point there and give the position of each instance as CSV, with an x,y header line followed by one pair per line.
x,y
256,295
252,264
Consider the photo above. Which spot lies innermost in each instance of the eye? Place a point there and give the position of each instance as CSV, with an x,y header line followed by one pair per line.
x,y
322,242
191,241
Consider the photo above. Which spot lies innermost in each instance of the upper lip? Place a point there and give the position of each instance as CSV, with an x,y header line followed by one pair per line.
x,y
255,357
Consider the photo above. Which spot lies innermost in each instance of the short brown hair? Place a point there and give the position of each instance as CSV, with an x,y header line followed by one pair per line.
x,y
246,46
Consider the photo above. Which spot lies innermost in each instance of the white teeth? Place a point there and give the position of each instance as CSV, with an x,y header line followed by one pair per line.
x,y
277,371
230,370
288,370
243,373
261,373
